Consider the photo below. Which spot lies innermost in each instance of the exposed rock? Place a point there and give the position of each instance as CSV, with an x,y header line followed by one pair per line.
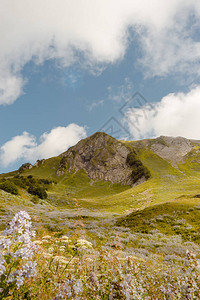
x,y
171,148
101,156
39,162
24,167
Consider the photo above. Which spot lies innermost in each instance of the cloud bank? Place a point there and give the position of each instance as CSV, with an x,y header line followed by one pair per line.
x,y
167,32
174,115
51,144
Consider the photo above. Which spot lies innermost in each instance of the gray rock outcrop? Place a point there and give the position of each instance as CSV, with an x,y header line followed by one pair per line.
x,y
101,156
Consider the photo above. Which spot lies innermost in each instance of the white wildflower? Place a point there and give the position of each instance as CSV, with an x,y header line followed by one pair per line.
x,y
65,238
84,244
37,242
46,237
17,246
61,259
62,248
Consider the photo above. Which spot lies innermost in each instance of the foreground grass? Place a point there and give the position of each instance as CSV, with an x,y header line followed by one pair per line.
x,y
71,267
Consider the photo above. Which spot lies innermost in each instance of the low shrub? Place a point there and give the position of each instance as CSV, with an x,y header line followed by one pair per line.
x,y
38,191
138,169
9,187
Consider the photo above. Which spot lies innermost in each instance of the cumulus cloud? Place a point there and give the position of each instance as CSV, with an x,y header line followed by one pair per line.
x,y
40,30
51,144
16,148
175,115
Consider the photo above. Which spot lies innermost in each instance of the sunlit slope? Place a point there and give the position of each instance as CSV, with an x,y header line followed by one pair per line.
x,y
46,170
167,183
171,178
176,217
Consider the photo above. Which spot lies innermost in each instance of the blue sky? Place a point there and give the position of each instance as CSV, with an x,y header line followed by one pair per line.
x,y
61,81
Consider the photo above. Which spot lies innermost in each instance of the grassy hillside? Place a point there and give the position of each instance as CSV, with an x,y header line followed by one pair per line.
x,y
180,217
167,182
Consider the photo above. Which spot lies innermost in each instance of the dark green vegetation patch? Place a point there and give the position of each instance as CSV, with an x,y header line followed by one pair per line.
x,y
138,169
9,187
34,186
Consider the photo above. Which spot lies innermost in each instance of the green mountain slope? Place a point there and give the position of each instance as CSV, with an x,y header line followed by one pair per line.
x,y
173,164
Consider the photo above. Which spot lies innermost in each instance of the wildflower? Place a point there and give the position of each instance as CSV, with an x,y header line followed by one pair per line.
x,y
47,255
2,265
17,250
46,237
61,259
65,290
62,248
50,249
84,244
37,242
65,238
45,241
77,286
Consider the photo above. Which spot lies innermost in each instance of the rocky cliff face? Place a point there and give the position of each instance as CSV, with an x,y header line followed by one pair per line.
x,y
101,156
172,149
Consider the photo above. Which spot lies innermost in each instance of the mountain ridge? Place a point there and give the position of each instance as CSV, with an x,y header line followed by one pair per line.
x,y
168,180
94,151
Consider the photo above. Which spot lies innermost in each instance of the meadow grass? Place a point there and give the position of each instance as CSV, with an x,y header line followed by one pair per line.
x,y
74,267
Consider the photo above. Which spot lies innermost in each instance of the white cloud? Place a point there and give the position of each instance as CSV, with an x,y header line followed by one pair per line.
x,y
51,144
9,86
16,148
95,104
174,115
40,30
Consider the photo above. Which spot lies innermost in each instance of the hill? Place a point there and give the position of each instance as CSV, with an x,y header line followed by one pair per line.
x,y
106,174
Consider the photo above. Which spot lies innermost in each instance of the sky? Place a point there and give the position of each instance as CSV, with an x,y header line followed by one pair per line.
x,y
71,68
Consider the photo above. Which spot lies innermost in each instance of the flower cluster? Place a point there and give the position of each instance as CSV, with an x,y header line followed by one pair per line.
x,y
83,244
17,252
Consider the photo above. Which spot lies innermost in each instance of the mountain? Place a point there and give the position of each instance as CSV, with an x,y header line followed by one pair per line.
x,y
111,175
103,158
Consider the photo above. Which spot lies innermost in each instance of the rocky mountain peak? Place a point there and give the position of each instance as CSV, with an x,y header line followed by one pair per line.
x,y
101,156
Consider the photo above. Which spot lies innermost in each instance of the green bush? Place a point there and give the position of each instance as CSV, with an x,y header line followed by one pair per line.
x,y
132,160
35,186
18,182
138,169
38,191
9,187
